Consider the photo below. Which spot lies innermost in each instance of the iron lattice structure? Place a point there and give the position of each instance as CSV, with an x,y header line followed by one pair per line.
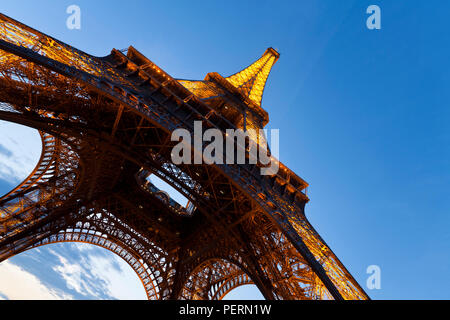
x,y
106,126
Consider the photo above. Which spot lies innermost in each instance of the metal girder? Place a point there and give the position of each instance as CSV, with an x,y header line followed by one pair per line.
x,y
109,120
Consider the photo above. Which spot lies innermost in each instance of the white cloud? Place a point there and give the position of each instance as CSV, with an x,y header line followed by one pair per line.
x,y
20,148
122,283
99,274
19,284
73,275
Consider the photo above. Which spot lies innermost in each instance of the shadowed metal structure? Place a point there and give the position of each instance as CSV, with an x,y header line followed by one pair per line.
x,y
106,127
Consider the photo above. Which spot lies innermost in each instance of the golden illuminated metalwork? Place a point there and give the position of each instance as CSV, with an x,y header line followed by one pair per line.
x,y
252,80
105,125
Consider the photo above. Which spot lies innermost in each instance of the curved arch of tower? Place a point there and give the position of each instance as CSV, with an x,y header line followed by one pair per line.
x,y
106,126
113,245
213,279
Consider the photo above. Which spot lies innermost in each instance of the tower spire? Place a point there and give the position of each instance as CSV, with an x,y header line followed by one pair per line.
x,y
252,80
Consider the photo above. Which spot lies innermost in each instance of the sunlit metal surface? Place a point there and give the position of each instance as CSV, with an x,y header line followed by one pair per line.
x,y
252,79
105,120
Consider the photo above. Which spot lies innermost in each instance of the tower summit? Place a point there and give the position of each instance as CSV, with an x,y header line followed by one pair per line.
x,y
252,80
237,97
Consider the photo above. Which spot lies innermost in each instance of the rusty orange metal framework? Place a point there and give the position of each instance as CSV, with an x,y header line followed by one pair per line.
x,y
105,125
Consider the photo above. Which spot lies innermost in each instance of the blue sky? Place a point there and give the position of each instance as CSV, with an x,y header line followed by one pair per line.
x,y
363,114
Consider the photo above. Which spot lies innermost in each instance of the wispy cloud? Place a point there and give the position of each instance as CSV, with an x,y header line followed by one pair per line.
x,y
18,284
20,148
95,273
120,281
76,277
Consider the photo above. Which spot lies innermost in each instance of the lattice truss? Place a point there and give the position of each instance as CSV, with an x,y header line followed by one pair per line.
x,y
105,125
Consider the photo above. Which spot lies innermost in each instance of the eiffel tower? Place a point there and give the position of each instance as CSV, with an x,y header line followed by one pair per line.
x,y
106,125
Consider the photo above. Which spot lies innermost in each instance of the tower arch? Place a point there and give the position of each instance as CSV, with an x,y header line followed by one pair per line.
x,y
213,279
141,269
